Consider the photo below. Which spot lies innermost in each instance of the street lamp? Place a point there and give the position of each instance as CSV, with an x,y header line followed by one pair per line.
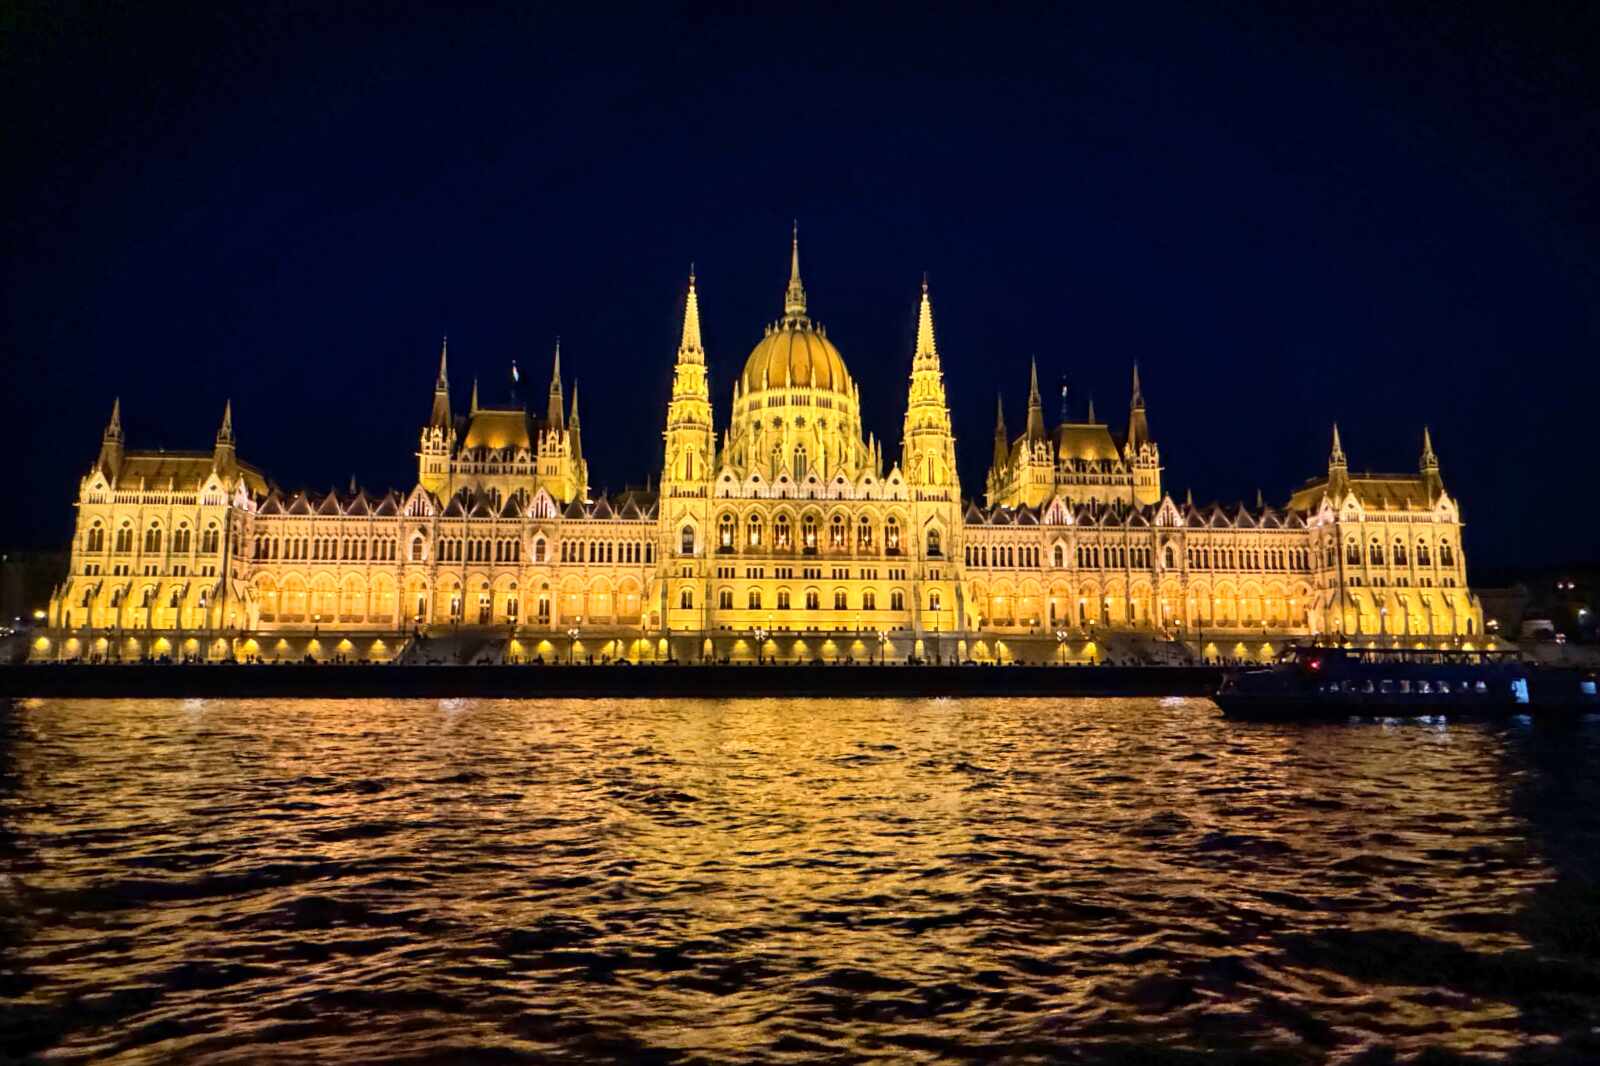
x,y
883,639
760,636
1061,644
572,645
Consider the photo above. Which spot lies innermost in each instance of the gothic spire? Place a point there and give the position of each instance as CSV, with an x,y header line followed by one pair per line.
x,y
225,432
441,389
1035,403
1430,461
1091,408
1002,444
553,413
473,407
689,350
794,300
926,349
572,423
114,427
1138,393
1138,424
1336,456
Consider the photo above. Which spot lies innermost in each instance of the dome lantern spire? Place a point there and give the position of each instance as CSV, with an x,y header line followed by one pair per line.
x,y
794,300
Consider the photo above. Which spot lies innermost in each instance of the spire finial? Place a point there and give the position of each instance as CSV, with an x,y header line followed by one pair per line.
x,y
794,300
1091,408
1033,382
1430,461
1064,413
226,432
573,421
1138,392
444,369
925,342
474,408
114,427
1336,456
999,414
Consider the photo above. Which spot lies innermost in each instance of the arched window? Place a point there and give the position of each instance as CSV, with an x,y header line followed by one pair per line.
x,y
777,459
1352,553
1423,558
812,600
780,532
934,544
1059,556
725,599
1169,560
1375,552
897,599
1399,552
783,599
211,541
725,532
125,539
97,539
152,539
1447,556
799,460
416,549
836,532
754,600
891,535
864,533
840,600
869,600
538,549
808,532
753,527
686,598
933,600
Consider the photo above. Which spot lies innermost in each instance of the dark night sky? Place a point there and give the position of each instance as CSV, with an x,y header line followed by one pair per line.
x,y
1286,218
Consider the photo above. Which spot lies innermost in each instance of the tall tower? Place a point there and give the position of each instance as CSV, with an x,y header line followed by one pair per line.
x,y
999,478
690,439
928,447
439,435
1038,470
559,462
1142,454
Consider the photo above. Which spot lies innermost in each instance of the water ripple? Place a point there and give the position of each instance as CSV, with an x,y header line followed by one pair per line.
x,y
790,882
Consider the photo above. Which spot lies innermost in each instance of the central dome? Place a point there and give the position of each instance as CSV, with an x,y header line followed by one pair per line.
x,y
796,352
795,355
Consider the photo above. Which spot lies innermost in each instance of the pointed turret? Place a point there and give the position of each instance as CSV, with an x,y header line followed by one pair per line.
x,y
1036,430
224,458
1065,414
1429,466
573,427
1338,467
1188,498
111,442
1138,424
441,389
1091,409
472,409
553,413
794,300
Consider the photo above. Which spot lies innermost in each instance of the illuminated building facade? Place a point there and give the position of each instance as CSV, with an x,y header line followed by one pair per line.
x,y
789,534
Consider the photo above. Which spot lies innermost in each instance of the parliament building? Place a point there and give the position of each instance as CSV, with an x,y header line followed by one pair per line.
x,y
789,533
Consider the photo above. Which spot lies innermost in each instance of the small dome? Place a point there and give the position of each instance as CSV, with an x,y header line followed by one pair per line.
x,y
794,354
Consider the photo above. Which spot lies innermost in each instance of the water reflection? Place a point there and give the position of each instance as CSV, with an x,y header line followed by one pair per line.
x,y
769,881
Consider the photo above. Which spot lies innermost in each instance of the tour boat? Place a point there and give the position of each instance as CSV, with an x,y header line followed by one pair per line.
x,y
1312,681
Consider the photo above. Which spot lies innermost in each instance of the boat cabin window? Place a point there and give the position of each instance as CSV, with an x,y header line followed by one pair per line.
x,y
1386,686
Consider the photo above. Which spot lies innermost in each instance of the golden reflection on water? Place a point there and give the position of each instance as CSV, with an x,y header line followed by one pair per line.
x,y
759,879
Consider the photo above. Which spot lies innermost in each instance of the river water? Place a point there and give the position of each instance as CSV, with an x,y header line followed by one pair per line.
x,y
804,881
